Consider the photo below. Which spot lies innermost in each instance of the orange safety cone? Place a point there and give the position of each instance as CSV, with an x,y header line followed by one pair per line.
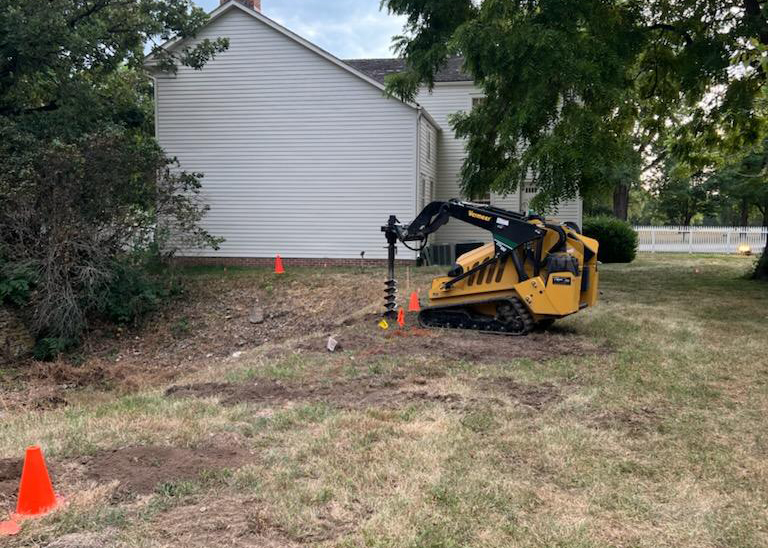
x,y
413,305
279,265
401,317
36,496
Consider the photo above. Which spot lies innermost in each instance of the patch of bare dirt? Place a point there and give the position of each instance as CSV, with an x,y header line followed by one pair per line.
x,y
536,396
356,394
208,324
242,522
229,522
388,392
140,470
367,340
636,422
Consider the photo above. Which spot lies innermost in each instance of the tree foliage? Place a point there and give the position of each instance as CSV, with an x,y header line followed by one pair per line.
x,y
83,183
577,89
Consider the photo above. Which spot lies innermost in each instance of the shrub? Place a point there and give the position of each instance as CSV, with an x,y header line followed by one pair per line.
x,y
618,240
70,212
133,292
16,283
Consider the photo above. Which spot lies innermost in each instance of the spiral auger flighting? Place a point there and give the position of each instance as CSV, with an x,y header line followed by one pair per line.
x,y
390,298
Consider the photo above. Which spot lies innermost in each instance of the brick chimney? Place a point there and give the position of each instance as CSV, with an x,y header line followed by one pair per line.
x,y
253,4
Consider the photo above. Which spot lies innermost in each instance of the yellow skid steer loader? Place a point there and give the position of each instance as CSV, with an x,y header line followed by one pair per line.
x,y
532,273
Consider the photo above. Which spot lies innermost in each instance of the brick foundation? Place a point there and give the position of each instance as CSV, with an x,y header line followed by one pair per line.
x,y
287,262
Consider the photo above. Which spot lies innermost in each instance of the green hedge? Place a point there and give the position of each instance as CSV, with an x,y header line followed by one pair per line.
x,y
618,240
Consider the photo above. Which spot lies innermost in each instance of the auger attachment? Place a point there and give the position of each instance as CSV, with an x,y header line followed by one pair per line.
x,y
390,291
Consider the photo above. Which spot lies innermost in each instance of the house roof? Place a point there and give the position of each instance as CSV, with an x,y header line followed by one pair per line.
x,y
379,69
149,60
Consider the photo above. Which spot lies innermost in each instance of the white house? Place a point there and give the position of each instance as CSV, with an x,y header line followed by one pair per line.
x,y
303,154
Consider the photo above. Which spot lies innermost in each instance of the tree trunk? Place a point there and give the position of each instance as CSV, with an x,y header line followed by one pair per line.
x,y
621,202
744,213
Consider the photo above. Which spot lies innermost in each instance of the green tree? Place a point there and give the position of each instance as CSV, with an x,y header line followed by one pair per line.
x,y
575,88
83,183
680,199
745,182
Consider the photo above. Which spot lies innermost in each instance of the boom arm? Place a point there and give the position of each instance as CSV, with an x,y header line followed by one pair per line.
x,y
510,230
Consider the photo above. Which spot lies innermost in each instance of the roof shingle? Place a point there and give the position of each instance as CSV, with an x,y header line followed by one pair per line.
x,y
379,69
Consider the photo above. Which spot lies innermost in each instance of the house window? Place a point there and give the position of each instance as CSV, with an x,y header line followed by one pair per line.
x,y
477,101
429,144
529,192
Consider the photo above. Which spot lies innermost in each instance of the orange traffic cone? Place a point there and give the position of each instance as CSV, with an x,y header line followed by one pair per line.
x,y
401,317
279,265
36,496
413,305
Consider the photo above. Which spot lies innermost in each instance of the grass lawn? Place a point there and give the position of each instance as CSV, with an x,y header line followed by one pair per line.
x,y
639,423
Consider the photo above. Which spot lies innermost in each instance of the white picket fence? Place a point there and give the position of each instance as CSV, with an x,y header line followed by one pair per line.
x,y
700,239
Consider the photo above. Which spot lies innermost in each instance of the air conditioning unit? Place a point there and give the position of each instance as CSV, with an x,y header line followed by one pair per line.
x,y
438,254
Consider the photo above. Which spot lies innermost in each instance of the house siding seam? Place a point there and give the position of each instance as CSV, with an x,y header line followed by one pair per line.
x,y
301,157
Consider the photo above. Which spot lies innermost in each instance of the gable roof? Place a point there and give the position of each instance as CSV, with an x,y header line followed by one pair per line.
x,y
379,69
234,4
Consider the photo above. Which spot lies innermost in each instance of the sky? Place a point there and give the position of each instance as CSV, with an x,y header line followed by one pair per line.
x,y
349,29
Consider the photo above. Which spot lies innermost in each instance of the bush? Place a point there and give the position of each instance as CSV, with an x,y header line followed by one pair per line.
x,y
618,240
133,292
16,283
72,212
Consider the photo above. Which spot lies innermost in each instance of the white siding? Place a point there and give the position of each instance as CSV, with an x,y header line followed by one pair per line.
x,y
300,157
447,99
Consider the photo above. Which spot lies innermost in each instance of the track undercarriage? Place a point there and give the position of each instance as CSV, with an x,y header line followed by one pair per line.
x,y
511,317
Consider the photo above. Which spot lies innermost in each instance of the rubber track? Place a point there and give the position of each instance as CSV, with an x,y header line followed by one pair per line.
x,y
459,317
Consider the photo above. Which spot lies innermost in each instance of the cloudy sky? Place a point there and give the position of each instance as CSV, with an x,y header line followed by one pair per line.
x,y
345,28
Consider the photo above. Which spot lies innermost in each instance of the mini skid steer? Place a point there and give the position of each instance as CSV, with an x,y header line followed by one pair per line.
x,y
532,273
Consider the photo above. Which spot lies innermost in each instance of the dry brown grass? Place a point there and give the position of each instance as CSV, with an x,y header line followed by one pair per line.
x,y
652,435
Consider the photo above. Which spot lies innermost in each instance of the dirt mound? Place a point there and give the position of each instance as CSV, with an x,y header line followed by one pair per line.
x,y
140,470
357,394
10,474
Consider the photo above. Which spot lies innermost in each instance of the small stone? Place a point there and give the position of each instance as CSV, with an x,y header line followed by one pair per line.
x,y
236,354
333,345
257,314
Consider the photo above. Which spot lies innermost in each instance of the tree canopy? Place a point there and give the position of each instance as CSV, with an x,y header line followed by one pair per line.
x,y
581,92
84,186
575,88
